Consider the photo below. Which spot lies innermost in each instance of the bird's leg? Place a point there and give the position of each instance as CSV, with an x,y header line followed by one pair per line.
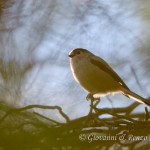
x,y
96,103
92,105
91,98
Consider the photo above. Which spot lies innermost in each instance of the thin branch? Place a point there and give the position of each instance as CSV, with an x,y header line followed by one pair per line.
x,y
146,114
46,118
17,110
136,77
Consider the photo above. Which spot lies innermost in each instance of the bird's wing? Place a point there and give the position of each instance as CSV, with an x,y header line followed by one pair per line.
x,y
100,63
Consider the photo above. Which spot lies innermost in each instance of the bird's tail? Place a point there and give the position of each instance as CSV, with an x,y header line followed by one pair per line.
x,y
135,96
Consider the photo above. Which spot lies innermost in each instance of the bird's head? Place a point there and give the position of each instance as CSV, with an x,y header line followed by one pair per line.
x,y
79,53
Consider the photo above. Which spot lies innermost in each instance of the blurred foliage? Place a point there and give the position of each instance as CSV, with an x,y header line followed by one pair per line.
x,y
4,4
23,129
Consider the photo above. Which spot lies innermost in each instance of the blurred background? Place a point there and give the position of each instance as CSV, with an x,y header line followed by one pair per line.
x,y
37,35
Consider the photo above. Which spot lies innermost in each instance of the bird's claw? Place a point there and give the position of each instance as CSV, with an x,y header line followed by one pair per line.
x,y
89,97
93,106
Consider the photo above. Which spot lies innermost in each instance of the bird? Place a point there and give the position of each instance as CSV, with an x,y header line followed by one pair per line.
x,y
97,77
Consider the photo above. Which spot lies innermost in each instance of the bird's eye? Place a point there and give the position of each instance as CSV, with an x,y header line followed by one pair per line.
x,y
78,53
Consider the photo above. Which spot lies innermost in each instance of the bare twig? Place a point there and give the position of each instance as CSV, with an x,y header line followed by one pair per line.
x,y
146,114
36,106
51,120
136,77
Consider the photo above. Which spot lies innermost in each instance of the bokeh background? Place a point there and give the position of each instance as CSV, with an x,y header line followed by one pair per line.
x,y
37,35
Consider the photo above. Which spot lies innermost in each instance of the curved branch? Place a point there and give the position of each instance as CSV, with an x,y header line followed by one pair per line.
x,y
17,110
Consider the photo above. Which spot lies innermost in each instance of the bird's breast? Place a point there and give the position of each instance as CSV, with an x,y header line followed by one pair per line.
x,y
90,77
85,74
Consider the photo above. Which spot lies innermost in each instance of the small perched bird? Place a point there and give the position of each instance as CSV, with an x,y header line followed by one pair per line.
x,y
97,77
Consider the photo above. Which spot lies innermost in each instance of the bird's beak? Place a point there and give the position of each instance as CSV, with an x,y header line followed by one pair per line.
x,y
71,55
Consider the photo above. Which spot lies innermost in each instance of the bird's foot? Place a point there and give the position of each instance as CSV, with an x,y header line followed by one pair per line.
x,y
93,106
97,101
90,97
